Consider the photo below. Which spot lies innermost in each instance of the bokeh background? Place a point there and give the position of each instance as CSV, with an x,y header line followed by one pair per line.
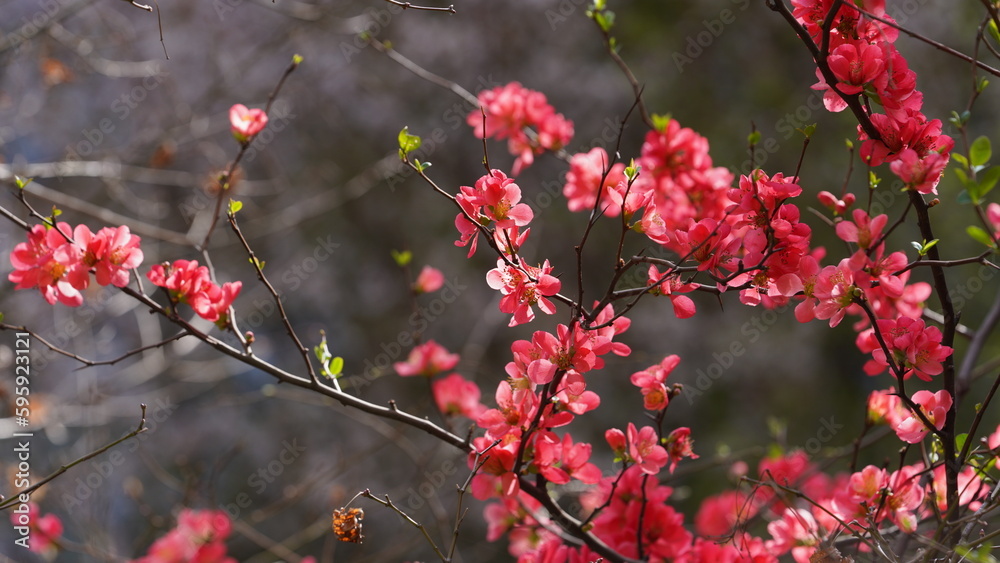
x,y
114,133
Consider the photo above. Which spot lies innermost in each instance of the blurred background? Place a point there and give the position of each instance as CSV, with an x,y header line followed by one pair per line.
x,y
115,133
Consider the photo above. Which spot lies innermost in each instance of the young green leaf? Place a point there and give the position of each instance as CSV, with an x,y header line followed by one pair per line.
x,y
407,143
980,151
234,206
979,235
753,138
21,183
989,180
402,258
660,122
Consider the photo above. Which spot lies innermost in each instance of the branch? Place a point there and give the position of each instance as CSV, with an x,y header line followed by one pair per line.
x,y
141,428
407,6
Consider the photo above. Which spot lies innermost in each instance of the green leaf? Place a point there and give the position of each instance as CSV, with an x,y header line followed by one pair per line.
x,y
849,144
960,158
927,246
981,555
660,122
336,366
331,366
753,138
979,235
297,59
605,19
873,180
402,258
916,245
992,27
234,206
989,180
407,143
22,183
980,151
421,166
808,130
960,441
632,171
964,197
259,264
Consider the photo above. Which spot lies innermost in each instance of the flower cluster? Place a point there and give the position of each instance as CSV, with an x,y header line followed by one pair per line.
x,y
59,261
887,407
864,61
190,283
509,111
494,200
200,536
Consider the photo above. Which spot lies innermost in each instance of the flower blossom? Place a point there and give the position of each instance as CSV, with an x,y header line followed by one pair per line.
x,y
187,282
454,394
524,287
427,359
246,123
58,261
199,537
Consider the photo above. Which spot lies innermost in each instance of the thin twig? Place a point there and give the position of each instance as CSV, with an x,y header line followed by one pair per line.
x,y
139,429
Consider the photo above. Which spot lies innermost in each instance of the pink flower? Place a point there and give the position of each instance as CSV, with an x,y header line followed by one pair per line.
x,y
679,444
638,446
456,395
496,477
652,382
198,538
863,230
885,407
52,263
719,515
428,280
44,531
837,206
512,108
427,359
796,531
187,282
246,123
856,64
920,174
915,348
835,289
673,287
495,197
559,460
584,182
935,408
905,497
522,288
112,252
993,216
